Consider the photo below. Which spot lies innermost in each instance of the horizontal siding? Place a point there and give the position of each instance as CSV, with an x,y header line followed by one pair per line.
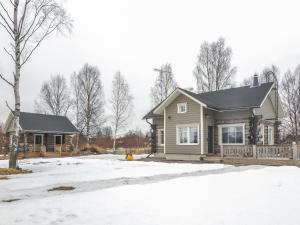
x,y
159,122
173,118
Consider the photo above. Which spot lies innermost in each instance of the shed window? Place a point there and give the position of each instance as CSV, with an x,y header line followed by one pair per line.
x,y
38,139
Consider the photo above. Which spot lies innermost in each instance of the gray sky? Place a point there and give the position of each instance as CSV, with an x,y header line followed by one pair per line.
x,y
135,36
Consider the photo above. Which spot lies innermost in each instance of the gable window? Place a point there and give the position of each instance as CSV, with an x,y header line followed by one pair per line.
x,y
161,137
181,107
232,134
188,134
270,135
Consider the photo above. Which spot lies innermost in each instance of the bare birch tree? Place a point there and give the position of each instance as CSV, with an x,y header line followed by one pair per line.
x,y
213,69
164,84
290,92
90,100
121,103
54,98
28,23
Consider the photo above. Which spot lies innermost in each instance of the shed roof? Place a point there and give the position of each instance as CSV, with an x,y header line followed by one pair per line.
x,y
46,123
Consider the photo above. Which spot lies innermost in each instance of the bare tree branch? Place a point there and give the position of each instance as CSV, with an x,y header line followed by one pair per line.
x,y
3,78
5,10
213,69
9,107
7,30
12,57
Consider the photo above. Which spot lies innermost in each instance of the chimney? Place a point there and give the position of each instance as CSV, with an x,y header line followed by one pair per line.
x,y
255,81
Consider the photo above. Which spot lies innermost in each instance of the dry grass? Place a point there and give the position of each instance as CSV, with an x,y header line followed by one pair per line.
x,y
62,188
11,200
3,178
9,171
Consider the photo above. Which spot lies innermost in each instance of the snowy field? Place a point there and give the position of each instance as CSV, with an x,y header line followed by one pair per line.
x,y
109,190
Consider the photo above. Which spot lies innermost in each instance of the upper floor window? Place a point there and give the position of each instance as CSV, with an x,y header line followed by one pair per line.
x,y
181,108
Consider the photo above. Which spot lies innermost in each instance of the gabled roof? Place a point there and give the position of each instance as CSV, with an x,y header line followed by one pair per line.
x,y
245,97
235,98
34,122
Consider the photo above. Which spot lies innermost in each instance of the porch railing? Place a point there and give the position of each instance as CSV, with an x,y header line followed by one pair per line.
x,y
237,150
274,152
261,151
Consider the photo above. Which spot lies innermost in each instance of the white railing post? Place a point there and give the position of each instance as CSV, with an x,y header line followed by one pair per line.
x,y
295,150
222,151
254,151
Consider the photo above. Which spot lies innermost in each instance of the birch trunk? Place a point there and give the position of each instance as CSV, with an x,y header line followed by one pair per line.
x,y
16,119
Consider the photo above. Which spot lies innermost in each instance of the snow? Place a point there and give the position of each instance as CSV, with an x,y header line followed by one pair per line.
x,y
150,193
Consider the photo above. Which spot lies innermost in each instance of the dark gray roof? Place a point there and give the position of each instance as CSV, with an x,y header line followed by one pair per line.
x,y
46,123
230,99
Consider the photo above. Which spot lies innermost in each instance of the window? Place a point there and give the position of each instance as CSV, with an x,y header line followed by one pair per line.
x,y
262,134
161,137
270,135
188,134
38,139
58,140
181,107
231,134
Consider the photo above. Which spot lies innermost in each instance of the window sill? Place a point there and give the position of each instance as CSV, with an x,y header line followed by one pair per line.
x,y
187,144
233,144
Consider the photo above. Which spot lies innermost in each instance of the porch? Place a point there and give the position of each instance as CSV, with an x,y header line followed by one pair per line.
x,y
46,142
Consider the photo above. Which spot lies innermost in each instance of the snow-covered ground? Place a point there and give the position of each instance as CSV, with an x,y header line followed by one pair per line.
x,y
112,191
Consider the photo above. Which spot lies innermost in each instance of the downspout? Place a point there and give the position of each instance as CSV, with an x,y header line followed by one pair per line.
x,y
152,127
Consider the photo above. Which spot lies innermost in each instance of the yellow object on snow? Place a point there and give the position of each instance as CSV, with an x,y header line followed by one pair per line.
x,y
129,157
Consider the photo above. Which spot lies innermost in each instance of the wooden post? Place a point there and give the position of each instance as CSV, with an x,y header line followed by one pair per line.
x,y
254,152
295,150
222,151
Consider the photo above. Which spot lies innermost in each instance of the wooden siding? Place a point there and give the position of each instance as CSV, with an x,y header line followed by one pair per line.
x,y
159,122
208,120
231,117
267,110
173,119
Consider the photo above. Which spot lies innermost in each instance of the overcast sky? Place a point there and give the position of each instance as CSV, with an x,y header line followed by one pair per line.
x,y
136,36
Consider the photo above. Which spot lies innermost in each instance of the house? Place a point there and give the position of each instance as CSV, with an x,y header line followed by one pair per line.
x,y
46,133
187,125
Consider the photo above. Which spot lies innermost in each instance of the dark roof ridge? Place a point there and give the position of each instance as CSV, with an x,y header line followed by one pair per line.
x,y
44,114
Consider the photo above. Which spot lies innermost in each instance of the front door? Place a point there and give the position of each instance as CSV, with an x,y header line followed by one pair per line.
x,y
210,139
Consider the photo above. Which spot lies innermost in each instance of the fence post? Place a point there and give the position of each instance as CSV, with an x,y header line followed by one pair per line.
x,y
294,148
222,151
254,151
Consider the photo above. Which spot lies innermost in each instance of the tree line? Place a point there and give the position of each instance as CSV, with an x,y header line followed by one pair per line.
x,y
84,101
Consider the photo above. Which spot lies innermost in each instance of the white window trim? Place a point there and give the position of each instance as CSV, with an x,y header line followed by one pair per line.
x,y
231,125
60,139
34,140
179,107
187,125
272,128
262,129
159,136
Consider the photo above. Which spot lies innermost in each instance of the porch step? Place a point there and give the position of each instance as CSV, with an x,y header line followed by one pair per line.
x,y
212,159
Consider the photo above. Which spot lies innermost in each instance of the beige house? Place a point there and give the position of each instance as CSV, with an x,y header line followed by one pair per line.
x,y
187,125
